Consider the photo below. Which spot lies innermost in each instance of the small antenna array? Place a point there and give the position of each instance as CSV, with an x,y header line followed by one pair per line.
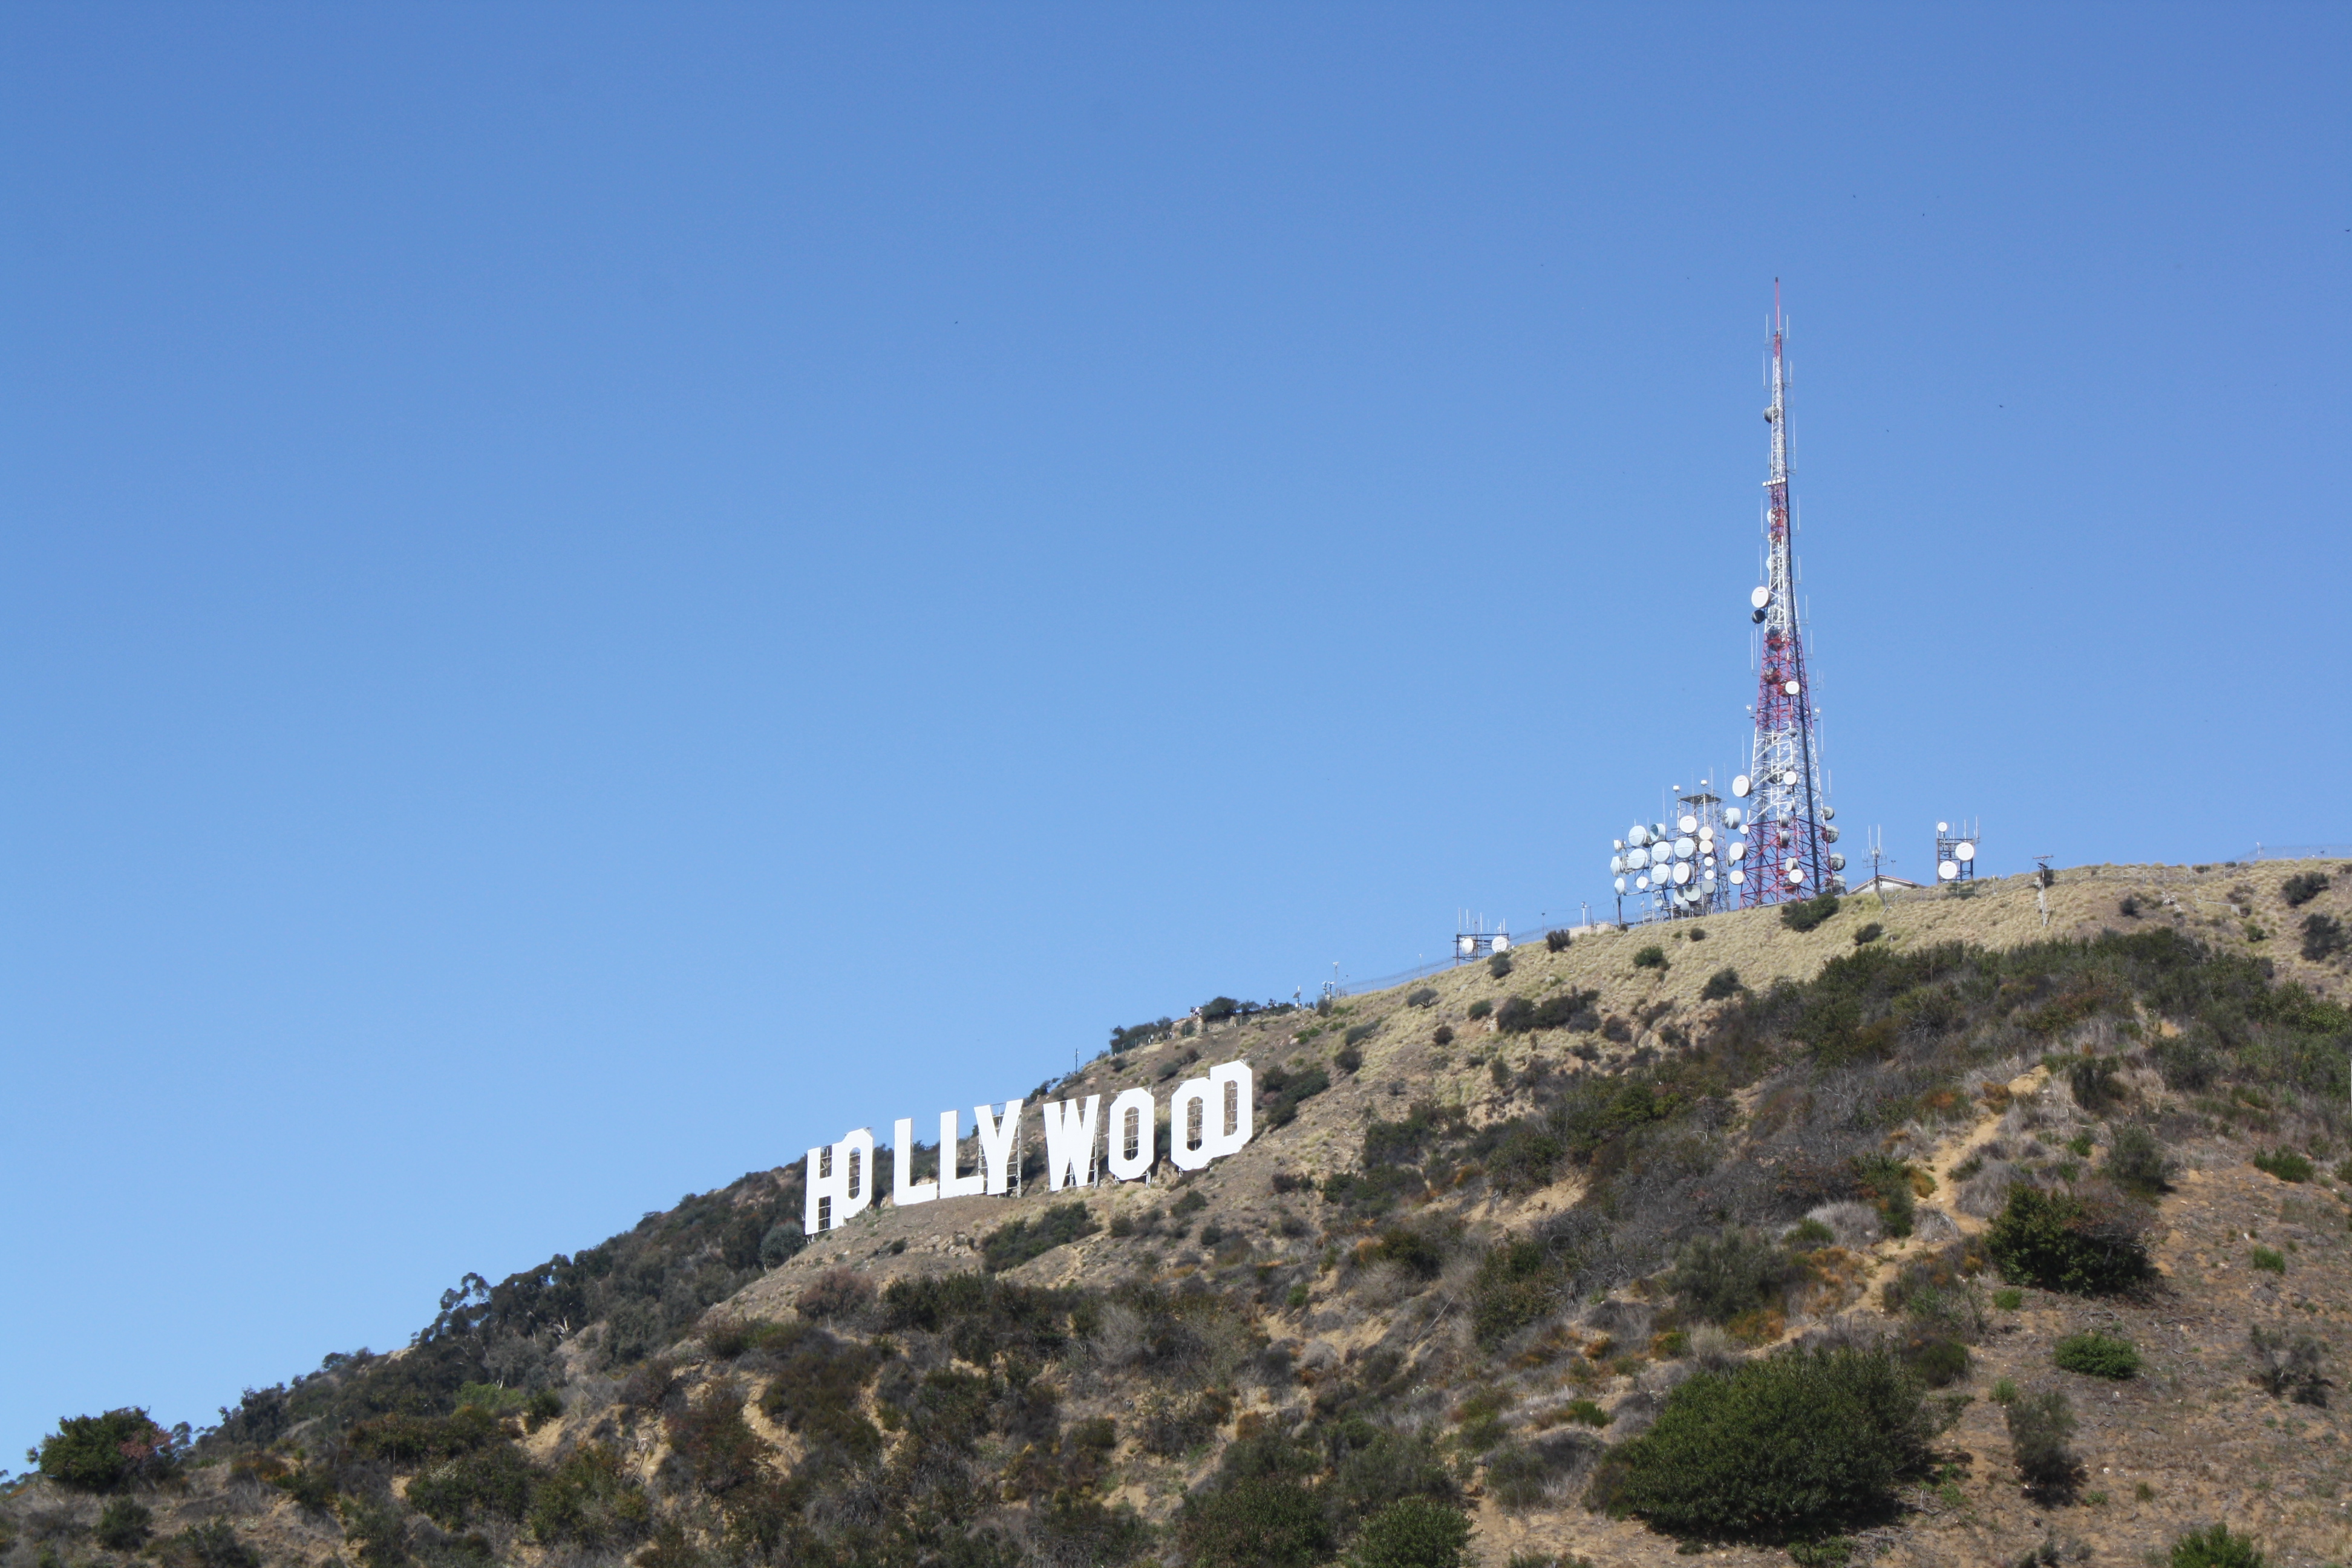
x,y
1955,850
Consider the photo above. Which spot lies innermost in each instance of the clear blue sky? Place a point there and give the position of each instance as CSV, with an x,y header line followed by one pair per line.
x,y
589,596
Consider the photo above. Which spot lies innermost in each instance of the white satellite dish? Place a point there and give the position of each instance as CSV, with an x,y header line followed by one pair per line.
x,y
1642,883
1948,869
1837,862
1637,836
1637,859
1464,946
1796,875
1943,827
1685,848
1620,884
1616,844
1738,875
1735,848
1682,873
1831,833
1829,814
1759,597
1688,824
1739,785
1731,816
1964,852
1706,884
1790,777
1790,689
1616,863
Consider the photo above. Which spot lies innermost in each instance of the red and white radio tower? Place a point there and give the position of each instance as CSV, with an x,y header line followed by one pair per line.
x,y
1788,810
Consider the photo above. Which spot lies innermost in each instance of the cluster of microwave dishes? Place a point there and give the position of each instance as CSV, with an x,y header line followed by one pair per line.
x,y
1690,858
1682,855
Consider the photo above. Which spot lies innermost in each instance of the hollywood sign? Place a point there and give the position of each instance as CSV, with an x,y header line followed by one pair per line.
x,y
1208,1119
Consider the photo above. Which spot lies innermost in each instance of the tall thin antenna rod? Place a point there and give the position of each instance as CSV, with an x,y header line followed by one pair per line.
x,y
1789,856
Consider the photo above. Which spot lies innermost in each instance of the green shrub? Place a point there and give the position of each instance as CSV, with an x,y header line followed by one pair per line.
x,y
1412,1533
1391,1466
1360,1033
1348,1059
1651,957
1788,1444
1807,913
123,1525
212,1544
1260,1521
1937,1361
591,1500
1411,1250
1010,1245
2094,1354
1563,1010
1723,983
495,1479
1421,996
99,1453
2061,1241
1556,940
2268,1258
1869,934
1585,1412
716,1444
2009,1299
1191,1203
815,1392
1516,1284
1481,1007
2302,888
2324,936
2040,1428
1499,966
406,1441
1524,1158
783,1242
2136,1162
1738,1270
2285,1164
1884,1182
2215,1547
1442,1037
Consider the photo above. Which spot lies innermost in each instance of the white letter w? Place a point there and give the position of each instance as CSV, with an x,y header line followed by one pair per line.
x,y
1070,1144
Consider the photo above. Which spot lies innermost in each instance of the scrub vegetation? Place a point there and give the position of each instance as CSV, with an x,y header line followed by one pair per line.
x,y
1584,1246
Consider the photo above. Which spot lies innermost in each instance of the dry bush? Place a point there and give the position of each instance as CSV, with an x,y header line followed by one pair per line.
x,y
1855,1225
838,1294
1982,1194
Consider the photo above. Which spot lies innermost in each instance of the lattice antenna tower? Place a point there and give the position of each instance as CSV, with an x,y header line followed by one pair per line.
x,y
1787,802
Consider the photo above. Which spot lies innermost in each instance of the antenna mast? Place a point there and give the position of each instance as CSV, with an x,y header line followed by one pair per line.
x,y
1789,810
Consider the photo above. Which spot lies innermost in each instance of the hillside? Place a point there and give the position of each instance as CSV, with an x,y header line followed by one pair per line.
x,y
1492,1228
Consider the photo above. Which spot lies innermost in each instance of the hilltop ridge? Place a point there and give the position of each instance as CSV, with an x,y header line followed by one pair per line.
x,y
1491,1223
